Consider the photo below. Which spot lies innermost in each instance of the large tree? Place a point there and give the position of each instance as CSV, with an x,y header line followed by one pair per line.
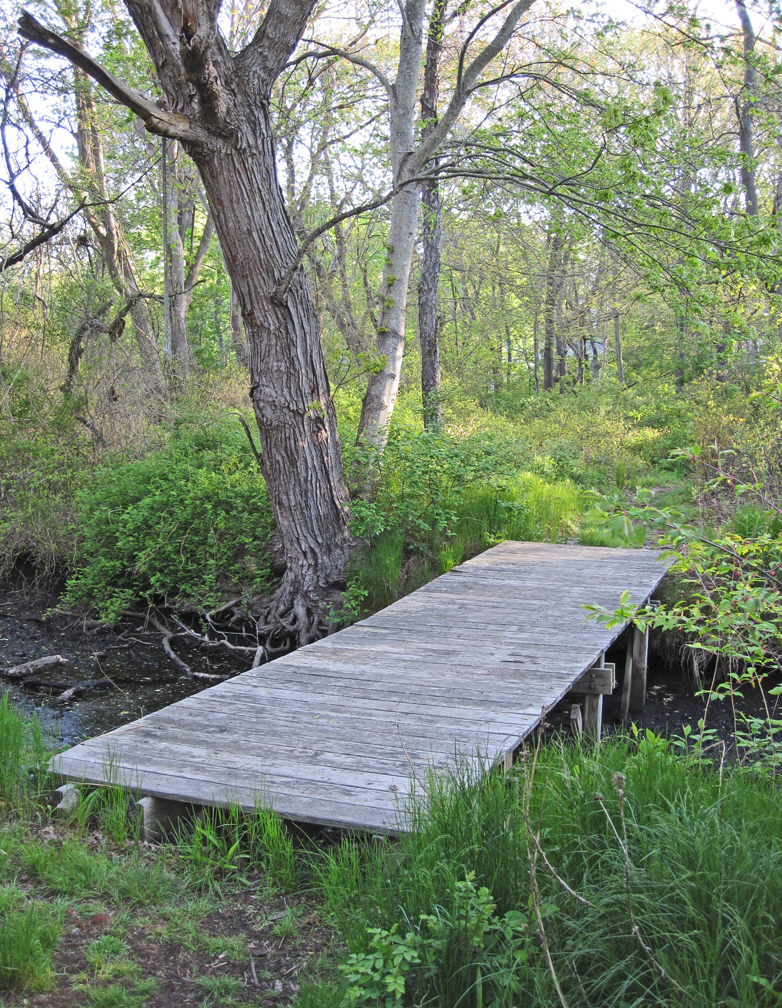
x,y
217,106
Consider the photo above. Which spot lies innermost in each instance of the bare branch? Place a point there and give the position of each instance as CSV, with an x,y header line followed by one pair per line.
x,y
156,120
329,50
467,80
51,231
282,287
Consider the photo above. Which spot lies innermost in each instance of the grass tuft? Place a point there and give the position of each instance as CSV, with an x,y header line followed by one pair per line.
x,y
28,933
24,756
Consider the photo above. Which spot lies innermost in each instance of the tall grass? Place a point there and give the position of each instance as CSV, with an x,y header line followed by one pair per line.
x,y
674,867
226,842
24,755
28,932
471,519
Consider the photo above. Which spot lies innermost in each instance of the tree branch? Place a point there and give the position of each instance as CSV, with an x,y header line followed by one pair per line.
x,y
466,80
198,261
46,235
156,120
275,40
282,287
328,50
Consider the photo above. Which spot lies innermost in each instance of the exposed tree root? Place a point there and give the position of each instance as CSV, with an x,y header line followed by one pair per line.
x,y
169,635
69,691
296,615
292,617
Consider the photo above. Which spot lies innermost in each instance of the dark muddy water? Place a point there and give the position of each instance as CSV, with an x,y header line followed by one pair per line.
x,y
143,679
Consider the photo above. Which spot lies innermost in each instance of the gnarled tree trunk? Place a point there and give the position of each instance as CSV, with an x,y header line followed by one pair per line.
x,y
219,111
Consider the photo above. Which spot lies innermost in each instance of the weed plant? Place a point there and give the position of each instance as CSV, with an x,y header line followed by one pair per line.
x,y
626,875
226,842
110,807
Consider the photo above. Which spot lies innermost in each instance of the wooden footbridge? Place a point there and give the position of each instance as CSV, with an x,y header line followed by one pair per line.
x,y
335,732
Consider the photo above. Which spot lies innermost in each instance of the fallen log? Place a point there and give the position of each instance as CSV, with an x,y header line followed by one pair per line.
x,y
33,682
77,690
21,671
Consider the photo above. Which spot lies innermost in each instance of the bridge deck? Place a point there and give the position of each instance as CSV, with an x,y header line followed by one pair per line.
x,y
334,732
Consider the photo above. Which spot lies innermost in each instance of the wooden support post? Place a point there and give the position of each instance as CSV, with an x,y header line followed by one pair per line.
x,y
68,800
576,720
593,715
593,708
637,685
624,705
161,816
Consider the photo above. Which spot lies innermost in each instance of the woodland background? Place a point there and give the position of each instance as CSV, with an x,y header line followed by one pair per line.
x,y
609,293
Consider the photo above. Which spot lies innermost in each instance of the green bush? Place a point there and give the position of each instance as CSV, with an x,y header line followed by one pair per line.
x,y
183,525
424,474
442,498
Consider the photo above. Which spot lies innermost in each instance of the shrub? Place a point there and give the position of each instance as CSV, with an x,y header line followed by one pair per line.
x,y
442,498
180,526
38,481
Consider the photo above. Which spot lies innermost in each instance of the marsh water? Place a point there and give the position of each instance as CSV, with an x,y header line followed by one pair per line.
x,y
143,679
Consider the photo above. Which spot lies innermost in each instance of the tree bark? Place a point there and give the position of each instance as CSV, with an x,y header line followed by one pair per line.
x,y
384,384
175,348
407,162
550,303
620,370
429,323
744,112
219,110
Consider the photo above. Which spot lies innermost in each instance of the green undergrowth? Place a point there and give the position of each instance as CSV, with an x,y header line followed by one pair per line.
x,y
186,524
442,498
39,476
24,757
182,516
29,930
635,873
626,875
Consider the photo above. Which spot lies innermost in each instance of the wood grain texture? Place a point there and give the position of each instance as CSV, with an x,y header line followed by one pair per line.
x,y
341,731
